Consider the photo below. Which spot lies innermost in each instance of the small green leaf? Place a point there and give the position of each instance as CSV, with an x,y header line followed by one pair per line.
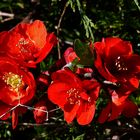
x,y
80,137
84,52
73,64
21,5
43,66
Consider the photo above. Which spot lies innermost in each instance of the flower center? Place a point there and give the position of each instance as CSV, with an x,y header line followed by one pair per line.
x,y
120,65
75,96
26,48
22,43
13,80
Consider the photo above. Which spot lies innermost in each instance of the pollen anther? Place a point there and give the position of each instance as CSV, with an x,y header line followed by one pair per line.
x,y
120,64
13,80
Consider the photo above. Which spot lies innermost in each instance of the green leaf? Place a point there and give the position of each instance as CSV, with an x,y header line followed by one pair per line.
x,y
72,5
88,25
43,66
73,65
84,52
80,137
21,5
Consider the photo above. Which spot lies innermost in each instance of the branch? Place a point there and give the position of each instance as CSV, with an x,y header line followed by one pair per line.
x,y
6,14
29,17
58,28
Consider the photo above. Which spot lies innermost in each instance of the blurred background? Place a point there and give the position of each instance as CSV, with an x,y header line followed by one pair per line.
x,y
71,19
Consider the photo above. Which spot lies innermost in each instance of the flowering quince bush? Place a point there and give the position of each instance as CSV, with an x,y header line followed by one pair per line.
x,y
75,83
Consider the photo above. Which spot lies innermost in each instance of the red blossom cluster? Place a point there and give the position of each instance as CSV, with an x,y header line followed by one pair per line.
x,y
21,48
75,84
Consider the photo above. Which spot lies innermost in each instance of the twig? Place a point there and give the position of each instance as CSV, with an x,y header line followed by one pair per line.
x,y
29,18
6,14
8,111
58,28
35,124
7,19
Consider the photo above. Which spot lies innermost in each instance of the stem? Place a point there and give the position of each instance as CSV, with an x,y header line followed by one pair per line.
x,y
58,28
8,111
6,14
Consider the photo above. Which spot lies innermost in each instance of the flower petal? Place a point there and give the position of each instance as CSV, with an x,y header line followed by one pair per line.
x,y
14,118
67,77
57,93
4,108
116,47
105,113
134,63
86,113
116,110
92,87
70,114
51,41
36,31
130,109
3,36
69,55
127,87
102,67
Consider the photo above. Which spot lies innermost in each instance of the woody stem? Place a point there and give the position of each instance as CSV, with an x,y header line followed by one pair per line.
x,y
58,28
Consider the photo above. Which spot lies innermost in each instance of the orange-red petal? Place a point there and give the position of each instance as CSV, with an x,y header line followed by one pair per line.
x,y
57,93
105,113
86,113
71,114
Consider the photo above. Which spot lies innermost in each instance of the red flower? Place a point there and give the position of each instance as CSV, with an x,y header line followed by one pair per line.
x,y
112,111
70,55
116,62
29,44
40,114
15,83
17,86
76,98
42,108
43,81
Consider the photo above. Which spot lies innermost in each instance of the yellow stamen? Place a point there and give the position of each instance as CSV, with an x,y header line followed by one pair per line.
x,y
13,80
